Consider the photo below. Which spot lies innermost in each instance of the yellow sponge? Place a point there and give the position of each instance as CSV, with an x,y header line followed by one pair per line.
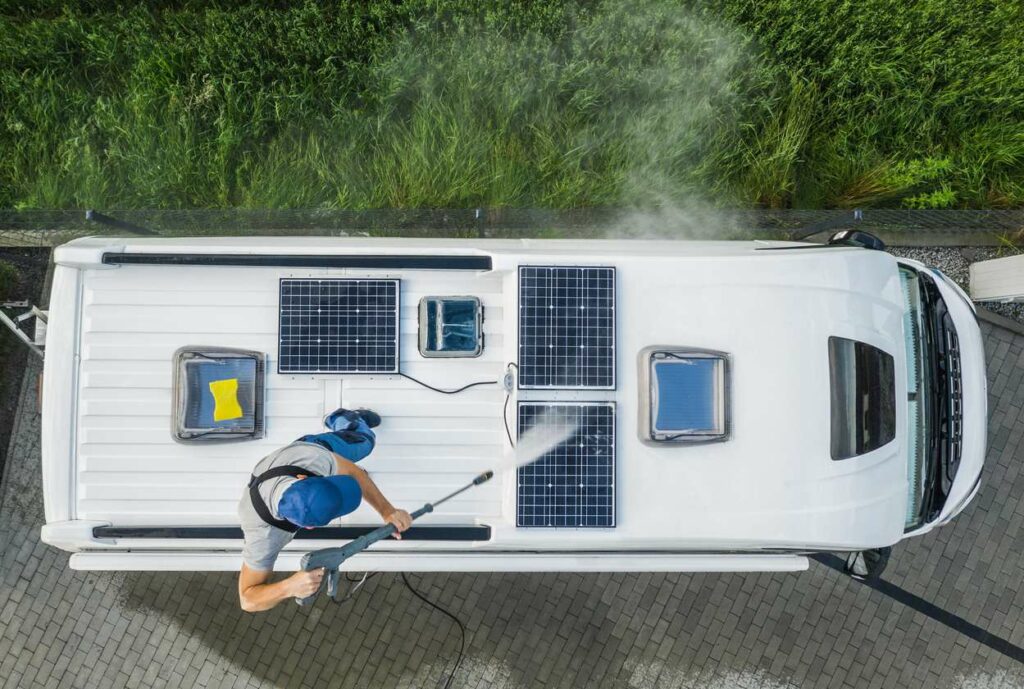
x,y
225,399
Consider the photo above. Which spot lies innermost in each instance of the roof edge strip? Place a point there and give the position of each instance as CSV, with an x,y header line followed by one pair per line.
x,y
378,261
478,532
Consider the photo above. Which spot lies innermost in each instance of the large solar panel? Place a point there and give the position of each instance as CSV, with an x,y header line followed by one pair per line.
x,y
574,484
338,326
567,327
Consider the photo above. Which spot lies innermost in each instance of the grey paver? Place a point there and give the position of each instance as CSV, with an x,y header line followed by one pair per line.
x,y
60,628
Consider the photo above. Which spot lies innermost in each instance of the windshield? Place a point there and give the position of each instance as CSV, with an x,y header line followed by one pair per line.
x,y
933,405
917,393
863,397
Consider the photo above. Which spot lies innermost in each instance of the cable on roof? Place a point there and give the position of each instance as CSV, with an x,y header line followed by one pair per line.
x,y
504,417
448,392
504,410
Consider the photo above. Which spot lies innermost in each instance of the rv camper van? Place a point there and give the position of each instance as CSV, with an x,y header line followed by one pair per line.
x,y
735,406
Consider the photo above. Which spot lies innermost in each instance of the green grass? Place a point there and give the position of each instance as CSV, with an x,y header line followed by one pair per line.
x,y
436,103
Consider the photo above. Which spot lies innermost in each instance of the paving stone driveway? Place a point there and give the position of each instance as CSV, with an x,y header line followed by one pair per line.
x,y
60,628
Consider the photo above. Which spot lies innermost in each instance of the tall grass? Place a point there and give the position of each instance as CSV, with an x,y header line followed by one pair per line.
x,y
631,105
433,103
919,104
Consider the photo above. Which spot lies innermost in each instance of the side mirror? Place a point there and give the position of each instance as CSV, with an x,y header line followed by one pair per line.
x,y
864,240
867,565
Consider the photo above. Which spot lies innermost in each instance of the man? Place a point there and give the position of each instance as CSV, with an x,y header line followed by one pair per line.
x,y
304,485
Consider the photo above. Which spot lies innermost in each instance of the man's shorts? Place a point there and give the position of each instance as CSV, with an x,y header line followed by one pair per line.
x,y
353,440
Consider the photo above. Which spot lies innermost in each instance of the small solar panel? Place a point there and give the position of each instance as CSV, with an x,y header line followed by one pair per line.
x,y
338,326
574,484
567,327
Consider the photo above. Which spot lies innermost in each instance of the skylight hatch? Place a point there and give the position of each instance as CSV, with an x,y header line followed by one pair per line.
x,y
684,395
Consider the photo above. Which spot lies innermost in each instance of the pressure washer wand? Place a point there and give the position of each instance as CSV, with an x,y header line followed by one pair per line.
x,y
331,559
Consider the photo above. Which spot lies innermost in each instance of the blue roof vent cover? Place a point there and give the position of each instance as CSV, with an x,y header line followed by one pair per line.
x,y
195,369
686,395
683,395
451,327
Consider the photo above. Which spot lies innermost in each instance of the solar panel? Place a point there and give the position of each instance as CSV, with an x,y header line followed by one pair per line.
x,y
567,327
574,484
338,326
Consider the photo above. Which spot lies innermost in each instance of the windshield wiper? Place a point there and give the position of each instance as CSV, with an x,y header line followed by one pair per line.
x,y
938,413
934,439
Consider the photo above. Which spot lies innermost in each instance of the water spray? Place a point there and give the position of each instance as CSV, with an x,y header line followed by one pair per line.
x,y
551,430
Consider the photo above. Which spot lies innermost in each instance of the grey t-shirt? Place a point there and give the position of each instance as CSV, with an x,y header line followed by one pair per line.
x,y
263,542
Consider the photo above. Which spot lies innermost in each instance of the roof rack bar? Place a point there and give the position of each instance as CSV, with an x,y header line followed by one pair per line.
x,y
383,262
469,532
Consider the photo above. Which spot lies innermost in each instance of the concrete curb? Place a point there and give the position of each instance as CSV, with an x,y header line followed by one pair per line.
x,y
1000,321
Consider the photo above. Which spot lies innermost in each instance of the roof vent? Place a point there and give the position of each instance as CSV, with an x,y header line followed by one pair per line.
x,y
683,395
451,327
218,394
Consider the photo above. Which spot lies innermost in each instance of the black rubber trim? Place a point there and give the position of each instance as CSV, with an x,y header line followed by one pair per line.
x,y
803,246
384,262
339,533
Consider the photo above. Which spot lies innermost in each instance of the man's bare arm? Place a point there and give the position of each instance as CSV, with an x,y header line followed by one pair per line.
x,y
372,495
255,594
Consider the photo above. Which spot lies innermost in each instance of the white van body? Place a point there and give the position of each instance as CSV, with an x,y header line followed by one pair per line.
x,y
760,500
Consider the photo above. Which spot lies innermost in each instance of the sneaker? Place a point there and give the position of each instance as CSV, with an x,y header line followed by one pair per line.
x,y
371,418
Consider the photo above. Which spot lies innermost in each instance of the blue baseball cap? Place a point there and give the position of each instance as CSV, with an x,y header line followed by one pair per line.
x,y
316,500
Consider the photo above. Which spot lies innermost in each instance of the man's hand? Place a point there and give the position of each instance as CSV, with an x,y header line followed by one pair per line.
x,y
305,583
401,521
256,592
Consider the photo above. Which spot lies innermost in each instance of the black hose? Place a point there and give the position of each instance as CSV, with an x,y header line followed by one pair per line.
x,y
405,579
456,620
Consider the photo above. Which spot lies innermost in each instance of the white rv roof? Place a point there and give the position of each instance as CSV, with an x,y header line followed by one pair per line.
x,y
771,484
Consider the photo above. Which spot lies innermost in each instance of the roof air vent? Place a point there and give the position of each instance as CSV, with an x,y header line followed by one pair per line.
x,y
218,394
451,327
683,395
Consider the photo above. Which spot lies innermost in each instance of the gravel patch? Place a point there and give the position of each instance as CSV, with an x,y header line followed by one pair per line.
x,y
955,262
